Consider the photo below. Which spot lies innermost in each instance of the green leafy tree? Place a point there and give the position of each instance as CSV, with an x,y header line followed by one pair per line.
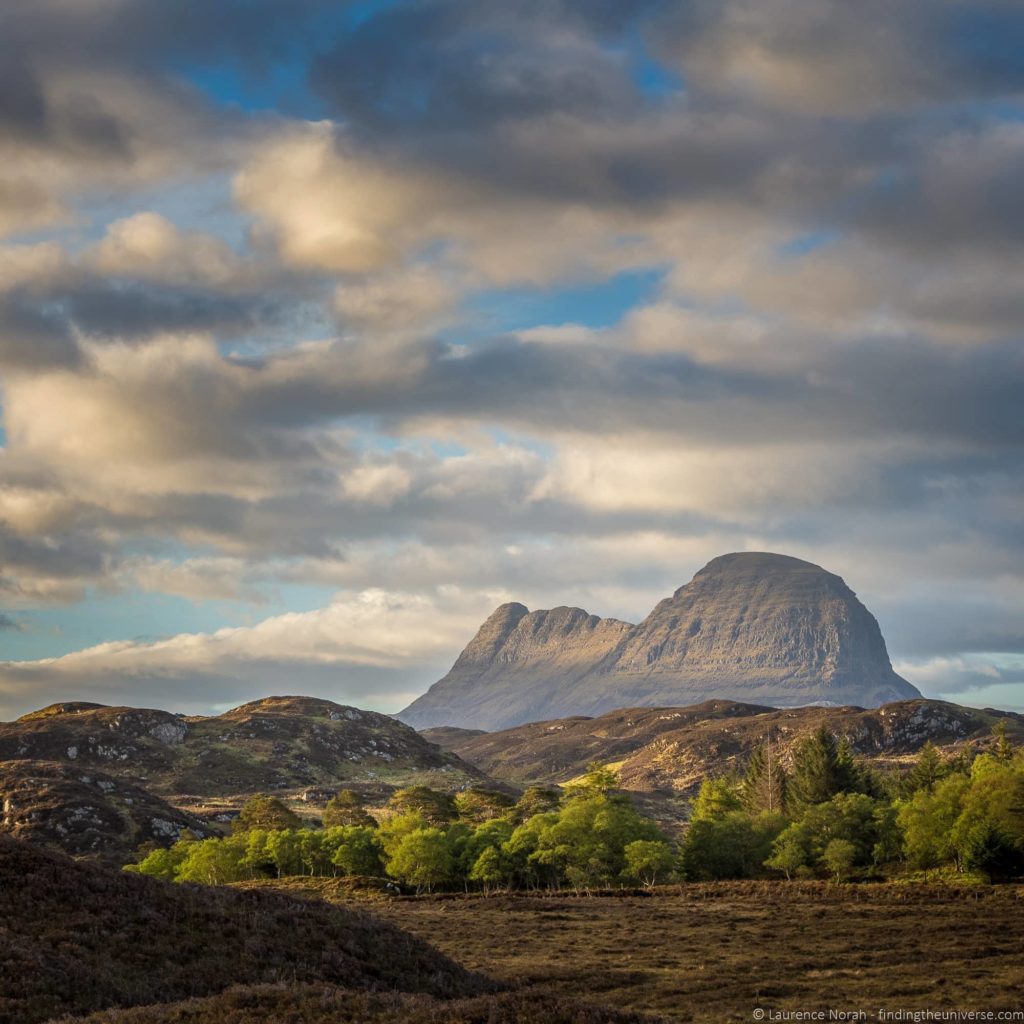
x,y
790,854
647,860
839,856
160,863
355,849
422,859
715,799
586,843
211,862
733,844
347,808
490,869
927,819
266,812
434,807
1004,748
850,817
520,850
393,830
992,817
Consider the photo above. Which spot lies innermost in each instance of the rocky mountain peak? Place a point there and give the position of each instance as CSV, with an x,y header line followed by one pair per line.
x,y
754,626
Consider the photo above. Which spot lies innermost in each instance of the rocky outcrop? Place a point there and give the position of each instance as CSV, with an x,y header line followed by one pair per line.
x,y
752,626
285,745
85,813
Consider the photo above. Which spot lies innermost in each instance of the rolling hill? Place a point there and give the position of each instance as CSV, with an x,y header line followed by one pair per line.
x,y
671,750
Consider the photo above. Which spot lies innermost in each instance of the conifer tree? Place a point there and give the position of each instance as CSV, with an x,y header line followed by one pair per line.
x,y
763,789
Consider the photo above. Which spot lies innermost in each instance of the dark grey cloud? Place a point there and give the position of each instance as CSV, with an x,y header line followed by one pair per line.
x,y
879,54
33,334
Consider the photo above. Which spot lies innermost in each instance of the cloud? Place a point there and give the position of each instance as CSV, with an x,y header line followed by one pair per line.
x,y
381,643
257,257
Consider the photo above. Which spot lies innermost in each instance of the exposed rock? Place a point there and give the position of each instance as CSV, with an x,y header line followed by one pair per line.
x,y
85,812
751,626
283,744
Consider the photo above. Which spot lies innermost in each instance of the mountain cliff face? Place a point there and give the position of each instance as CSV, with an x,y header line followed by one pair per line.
x,y
752,626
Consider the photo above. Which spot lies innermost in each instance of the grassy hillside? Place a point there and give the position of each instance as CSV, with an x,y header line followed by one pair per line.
x,y
77,937
672,750
300,748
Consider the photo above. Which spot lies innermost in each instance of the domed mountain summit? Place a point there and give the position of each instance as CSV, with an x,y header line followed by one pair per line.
x,y
752,626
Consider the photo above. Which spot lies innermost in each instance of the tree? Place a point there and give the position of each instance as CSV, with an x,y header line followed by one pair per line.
x,y
266,812
927,820
647,859
535,800
347,808
817,772
990,850
1004,748
763,789
422,859
211,862
434,807
928,769
489,869
478,805
586,842
160,863
730,845
355,849
598,778
839,856
991,823
715,799
790,853
850,817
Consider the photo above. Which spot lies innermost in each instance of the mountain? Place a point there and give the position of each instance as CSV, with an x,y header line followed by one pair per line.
x,y
84,812
672,750
301,748
752,626
78,937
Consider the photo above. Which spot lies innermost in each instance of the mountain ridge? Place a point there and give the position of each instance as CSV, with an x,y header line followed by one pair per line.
x,y
754,626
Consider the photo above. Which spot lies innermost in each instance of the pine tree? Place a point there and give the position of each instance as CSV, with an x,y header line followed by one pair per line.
x,y
1004,748
817,774
763,789
929,769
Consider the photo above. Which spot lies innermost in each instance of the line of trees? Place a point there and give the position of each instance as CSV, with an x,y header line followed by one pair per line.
x,y
823,816
829,816
428,840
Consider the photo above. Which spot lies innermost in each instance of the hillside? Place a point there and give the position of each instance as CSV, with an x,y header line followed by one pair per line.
x,y
78,937
282,744
756,627
671,750
85,812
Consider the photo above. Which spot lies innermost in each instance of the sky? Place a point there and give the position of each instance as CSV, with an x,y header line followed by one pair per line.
x,y
326,327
